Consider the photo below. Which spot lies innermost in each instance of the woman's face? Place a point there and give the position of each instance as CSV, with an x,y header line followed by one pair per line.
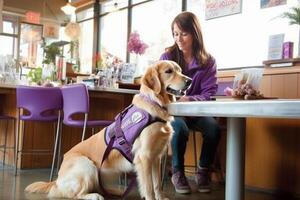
x,y
183,39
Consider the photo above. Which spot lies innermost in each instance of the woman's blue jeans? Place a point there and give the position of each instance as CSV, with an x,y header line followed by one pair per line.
x,y
210,130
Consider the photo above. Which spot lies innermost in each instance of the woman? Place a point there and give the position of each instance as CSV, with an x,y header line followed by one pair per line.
x,y
189,52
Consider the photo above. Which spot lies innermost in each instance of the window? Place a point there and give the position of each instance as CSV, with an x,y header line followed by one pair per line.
x,y
235,41
10,45
31,51
112,6
113,36
8,40
155,30
86,46
8,27
85,14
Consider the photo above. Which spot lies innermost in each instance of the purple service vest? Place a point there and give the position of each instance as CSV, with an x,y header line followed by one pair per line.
x,y
128,125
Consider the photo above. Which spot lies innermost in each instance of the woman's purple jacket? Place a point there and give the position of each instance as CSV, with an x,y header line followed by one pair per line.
x,y
204,79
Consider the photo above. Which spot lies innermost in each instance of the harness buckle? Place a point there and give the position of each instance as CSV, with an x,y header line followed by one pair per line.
x,y
121,141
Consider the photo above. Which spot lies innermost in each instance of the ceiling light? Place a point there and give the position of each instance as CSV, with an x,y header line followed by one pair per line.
x,y
68,9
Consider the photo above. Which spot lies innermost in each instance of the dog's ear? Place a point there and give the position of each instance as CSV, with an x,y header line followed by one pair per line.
x,y
151,80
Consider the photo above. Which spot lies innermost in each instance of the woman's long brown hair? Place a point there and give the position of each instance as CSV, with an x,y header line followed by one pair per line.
x,y
189,23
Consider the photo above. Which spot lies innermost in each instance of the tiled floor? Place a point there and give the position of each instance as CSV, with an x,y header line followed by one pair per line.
x,y
12,187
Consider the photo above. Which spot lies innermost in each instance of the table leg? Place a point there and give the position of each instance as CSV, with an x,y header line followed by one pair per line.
x,y
235,159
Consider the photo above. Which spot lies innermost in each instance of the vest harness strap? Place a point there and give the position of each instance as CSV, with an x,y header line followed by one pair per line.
x,y
131,121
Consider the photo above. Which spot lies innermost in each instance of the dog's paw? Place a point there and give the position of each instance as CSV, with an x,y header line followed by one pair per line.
x,y
92,196
161,197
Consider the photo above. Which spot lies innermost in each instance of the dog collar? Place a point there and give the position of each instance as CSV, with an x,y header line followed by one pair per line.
x,y
151,101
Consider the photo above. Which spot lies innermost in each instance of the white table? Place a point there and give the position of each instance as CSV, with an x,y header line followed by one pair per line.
x,y
237,111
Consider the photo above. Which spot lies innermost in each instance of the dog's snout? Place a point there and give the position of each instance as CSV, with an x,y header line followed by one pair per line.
x,y
188,81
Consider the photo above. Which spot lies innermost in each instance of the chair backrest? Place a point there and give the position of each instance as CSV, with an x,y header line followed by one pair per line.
x,y
221,87
75,100
40,102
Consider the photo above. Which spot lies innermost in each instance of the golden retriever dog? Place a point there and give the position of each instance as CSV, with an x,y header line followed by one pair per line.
x,y
78,176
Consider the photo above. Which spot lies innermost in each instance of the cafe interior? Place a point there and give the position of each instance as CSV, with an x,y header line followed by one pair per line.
x,y
106,46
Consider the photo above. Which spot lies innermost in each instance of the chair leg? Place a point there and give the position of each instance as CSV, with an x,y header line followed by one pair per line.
x,y
59,149
17,143
5,142
84,126
195,151
14,129
55,146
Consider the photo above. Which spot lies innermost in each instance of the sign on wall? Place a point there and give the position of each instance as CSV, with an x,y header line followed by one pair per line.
x,y
220,8
33,17
1,23
51,30
271,3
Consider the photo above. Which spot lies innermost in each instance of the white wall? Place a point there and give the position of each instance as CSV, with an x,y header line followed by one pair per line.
x,y
241,40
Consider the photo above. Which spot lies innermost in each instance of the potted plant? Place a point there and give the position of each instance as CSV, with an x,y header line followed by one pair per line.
x,y
51,51
293,16
294,19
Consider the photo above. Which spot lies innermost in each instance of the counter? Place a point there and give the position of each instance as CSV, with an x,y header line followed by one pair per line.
x,y
105,103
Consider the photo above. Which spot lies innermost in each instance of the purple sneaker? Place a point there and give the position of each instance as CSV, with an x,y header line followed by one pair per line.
x,y
180,183
202,180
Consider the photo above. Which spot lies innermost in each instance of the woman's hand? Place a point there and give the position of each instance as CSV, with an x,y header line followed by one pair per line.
x,y
183,99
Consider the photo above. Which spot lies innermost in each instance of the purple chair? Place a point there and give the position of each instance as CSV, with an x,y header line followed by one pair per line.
x,y
4,146
76,101
43,104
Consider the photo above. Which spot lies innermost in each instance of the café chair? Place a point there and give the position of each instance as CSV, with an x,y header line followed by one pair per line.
x,y
76,101
38,104
4,147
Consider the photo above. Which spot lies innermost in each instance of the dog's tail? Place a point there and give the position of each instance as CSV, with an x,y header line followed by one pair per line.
x,y
40,187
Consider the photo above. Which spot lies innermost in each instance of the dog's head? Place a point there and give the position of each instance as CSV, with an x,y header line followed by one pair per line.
x,y
164,78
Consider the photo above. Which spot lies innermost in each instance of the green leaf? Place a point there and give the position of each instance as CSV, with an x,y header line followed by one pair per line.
x,y
293,15
51,51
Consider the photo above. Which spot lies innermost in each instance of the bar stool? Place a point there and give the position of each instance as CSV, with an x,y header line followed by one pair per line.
x,y
76,101
4,147
44,104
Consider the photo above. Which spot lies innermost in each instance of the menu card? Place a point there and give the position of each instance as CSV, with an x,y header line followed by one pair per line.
x,y
275,46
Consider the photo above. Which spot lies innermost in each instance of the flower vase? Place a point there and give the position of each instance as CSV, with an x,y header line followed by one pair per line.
x,y
138,68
